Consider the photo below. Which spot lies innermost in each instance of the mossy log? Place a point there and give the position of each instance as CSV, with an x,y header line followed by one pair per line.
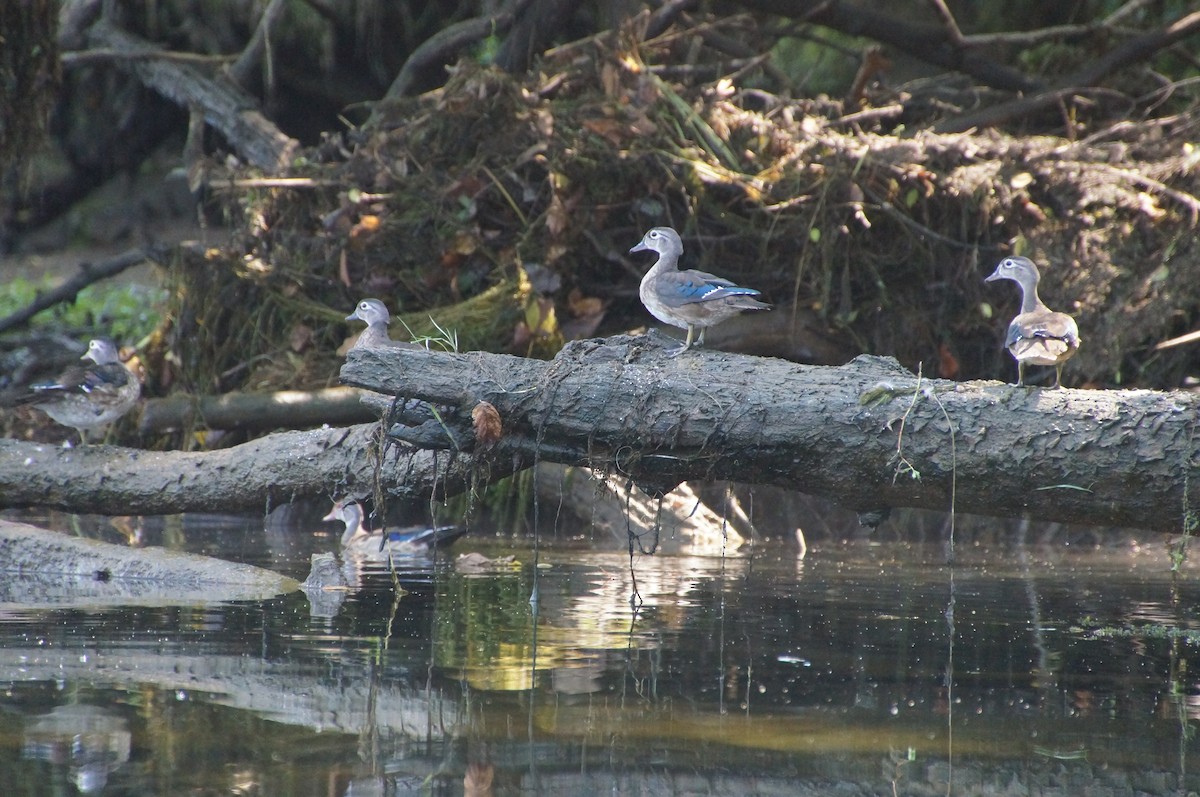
x,y
868,434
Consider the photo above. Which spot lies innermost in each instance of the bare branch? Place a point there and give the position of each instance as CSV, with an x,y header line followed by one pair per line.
x,y
931,44
251,57
951,25
66,292
1132,51
447,42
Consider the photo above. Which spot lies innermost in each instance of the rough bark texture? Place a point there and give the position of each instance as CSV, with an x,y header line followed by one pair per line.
x,y
857,434
254,476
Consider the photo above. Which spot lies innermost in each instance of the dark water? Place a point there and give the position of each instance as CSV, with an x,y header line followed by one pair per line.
x,y
863,668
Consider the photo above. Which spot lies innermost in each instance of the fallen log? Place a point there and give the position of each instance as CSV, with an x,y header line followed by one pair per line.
x,y
226,107
868,434
254,476
291,409
48,569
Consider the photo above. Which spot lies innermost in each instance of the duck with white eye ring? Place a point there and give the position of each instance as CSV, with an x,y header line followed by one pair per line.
x,y
1037,335
688,299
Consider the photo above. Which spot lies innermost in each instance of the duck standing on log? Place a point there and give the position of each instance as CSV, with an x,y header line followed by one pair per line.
x,y
90,396
688,299
1038,335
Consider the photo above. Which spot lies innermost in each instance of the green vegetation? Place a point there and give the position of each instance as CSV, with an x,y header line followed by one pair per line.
x,y
127,313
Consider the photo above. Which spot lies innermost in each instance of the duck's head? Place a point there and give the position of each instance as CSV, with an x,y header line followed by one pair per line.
x,y
370,311
349,512
663,240
101,351
1015,268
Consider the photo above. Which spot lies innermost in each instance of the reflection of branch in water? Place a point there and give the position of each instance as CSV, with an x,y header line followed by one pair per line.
x,y
949,681
631,649
533,618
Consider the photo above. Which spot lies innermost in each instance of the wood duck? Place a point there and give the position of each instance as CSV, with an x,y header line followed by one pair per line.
x,y
358,540
374,314
1038,335
688,299
88,396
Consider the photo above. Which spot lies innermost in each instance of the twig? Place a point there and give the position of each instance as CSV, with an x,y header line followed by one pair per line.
x,y
870,115
88,274
954,33
998,114
270,182
241,69
1183,198
890,209
1028,38
82,57
1179,341
1124,11
448,41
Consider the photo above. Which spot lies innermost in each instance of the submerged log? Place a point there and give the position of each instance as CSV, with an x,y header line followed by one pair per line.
x,y
868,434
48,569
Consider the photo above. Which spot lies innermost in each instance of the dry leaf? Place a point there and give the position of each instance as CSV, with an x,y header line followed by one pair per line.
x,y
300,338
947,362
610,130
581,305
364,231
486,420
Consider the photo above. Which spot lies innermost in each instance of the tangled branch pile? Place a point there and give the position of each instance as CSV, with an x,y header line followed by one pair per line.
x,y
500,207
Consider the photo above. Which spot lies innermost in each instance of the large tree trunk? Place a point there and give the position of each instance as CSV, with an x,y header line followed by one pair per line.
x,y
867,434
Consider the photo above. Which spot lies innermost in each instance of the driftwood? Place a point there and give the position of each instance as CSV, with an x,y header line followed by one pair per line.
x,y
868,434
